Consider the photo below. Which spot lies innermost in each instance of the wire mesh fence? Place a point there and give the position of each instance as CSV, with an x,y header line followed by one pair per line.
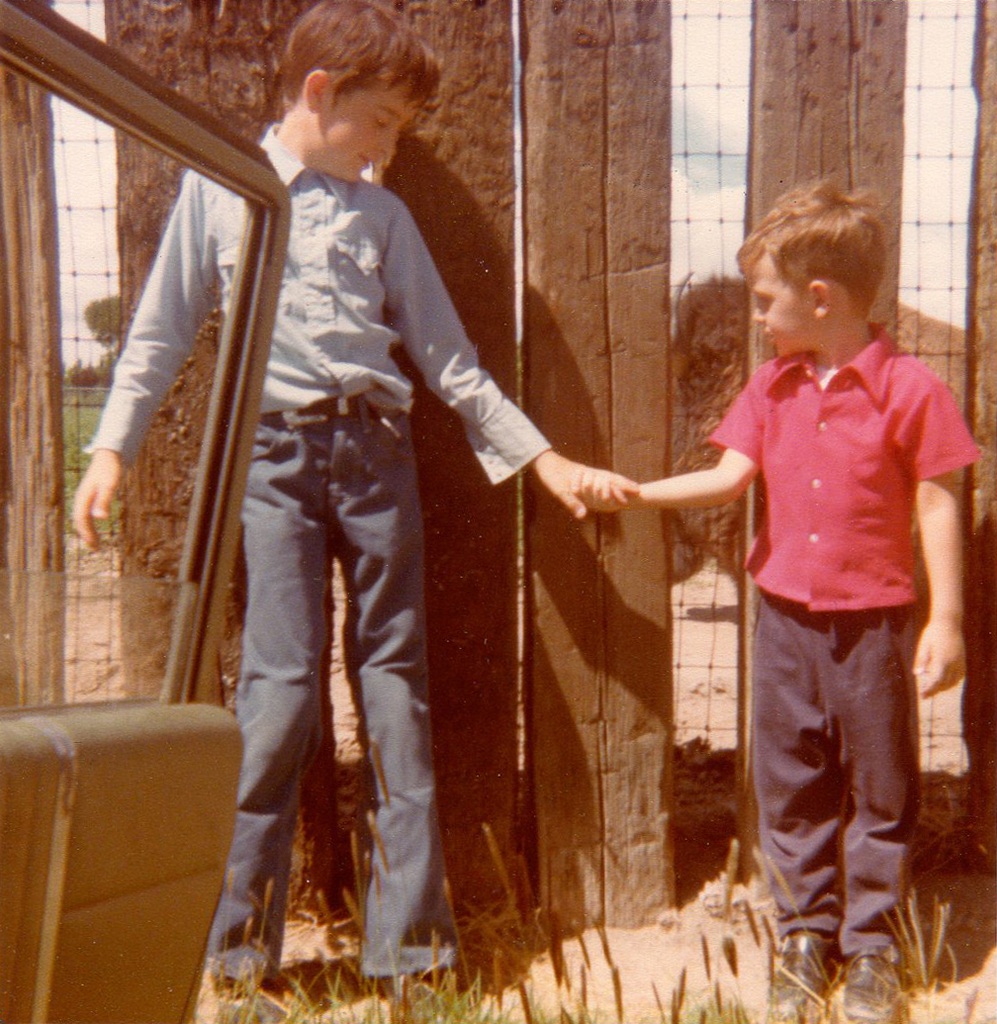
x,y
711,78
711,83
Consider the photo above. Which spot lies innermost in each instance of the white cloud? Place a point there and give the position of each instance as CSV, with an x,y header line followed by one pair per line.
x,y
707,229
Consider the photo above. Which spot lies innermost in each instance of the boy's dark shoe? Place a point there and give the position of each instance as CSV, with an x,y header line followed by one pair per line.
x,y
243,1001
873,993
412,1000
800,980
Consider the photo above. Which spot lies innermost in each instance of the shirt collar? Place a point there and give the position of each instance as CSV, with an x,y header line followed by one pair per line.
x,y
871,365
285,163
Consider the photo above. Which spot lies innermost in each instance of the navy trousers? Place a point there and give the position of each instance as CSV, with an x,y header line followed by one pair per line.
x,y
346,487
835,762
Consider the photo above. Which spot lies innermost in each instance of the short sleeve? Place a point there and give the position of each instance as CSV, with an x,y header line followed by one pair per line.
x,y
743,425
931,431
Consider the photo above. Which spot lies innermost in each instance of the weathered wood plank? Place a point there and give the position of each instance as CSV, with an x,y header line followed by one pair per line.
x,y
980,694
456,174
827,102
31,394
597,112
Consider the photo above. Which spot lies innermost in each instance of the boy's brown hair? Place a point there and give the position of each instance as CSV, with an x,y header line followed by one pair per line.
x,y
820,231
359,43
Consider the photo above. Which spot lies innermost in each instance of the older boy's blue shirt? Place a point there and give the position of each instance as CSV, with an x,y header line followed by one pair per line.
x,y
358,282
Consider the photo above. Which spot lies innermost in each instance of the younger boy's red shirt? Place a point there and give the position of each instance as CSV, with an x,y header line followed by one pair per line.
x,y
841,467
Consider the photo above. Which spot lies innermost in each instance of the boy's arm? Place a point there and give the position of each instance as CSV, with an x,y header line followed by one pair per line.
x,y
605,491
177,296
725,482
940,659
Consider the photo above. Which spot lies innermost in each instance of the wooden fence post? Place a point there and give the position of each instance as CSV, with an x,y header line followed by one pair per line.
x,y
456,174
980,694
827,102
597,170
33,521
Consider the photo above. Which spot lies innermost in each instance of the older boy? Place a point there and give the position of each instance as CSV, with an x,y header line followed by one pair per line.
x,y
333,471
851,438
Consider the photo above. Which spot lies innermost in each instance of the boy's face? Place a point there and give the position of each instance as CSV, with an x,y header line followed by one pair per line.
x,y
787,313
358,128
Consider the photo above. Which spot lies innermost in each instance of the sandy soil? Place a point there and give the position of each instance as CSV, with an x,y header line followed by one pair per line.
x,y
643,966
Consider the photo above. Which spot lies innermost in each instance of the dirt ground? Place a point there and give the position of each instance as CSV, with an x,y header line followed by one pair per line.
x,y
643,966
649,963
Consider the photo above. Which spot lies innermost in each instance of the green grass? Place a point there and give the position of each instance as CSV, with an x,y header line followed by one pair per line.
x,y
80,415
79,422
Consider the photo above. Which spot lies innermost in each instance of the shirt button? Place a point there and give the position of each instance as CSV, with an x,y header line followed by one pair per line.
x,y
815,484
822,426
814,537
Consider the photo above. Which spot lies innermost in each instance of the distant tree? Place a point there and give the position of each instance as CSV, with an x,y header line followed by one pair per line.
x,y
80,376
708,366
103,319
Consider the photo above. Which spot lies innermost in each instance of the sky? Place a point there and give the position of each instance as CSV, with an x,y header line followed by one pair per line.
x,y
709,163
939,136
86,187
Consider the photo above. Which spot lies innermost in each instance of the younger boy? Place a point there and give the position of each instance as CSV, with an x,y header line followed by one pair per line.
x,y
852,438
333,472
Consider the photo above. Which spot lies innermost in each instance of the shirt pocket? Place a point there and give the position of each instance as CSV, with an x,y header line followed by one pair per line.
x,y
359,251
355,258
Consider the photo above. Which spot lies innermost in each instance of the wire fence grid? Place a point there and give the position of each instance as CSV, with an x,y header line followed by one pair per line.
x,y
710,89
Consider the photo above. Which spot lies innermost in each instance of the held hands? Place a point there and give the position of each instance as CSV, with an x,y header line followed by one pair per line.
x,y
581,488
940,661
95,494
601,490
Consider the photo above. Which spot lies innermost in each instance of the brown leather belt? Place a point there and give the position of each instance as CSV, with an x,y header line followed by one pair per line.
x,y
322,411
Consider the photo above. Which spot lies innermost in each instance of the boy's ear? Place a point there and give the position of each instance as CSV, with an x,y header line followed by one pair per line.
x,y
821,292
318,84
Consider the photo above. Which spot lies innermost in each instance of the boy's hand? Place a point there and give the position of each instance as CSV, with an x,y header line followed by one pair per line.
x,y
573,483
940,662
602,490
95,494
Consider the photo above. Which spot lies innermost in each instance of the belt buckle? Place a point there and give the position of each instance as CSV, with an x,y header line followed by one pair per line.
x,y
294,418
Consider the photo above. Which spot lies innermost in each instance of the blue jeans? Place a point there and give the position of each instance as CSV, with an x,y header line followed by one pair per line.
x,y
346,487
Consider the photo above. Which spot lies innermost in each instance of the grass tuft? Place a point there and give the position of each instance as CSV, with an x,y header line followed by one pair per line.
x,y
499,945
924,949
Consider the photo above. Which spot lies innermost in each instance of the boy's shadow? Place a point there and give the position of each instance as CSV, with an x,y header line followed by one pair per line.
x,y
465,577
